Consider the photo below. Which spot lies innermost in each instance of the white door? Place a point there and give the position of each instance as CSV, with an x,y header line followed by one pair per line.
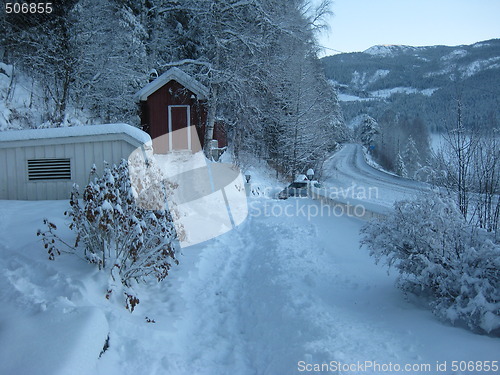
x,y
179,127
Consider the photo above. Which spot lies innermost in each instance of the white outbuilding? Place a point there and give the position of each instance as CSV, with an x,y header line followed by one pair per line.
x,y
39,164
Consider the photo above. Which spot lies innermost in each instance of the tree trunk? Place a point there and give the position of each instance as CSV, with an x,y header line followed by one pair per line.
x,y
209,129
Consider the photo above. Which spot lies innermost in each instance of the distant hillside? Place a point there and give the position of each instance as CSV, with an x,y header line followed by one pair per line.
x,y
423,81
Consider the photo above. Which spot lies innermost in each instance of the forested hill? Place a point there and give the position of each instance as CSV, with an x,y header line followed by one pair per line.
x,y
420,81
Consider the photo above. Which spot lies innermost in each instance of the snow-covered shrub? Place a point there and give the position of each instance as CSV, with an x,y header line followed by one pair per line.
x,y
117,234
440,257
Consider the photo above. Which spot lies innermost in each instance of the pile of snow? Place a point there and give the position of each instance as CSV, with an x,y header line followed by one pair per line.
x,y
48,325
56,341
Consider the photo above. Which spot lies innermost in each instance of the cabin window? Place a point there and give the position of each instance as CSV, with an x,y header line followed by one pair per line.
x,y
49,169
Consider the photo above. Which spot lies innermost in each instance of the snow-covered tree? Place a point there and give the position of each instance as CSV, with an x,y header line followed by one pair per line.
x,y
395,132
389,140
41,45
109,41
441,258
302,124
461,146
299,108
411,157
259,59
420,134
400,166
367,131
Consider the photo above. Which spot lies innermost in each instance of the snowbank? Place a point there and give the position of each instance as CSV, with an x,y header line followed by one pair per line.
x,y
53,342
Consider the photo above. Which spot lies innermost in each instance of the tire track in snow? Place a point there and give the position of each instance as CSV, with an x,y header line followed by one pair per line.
x,y
207,338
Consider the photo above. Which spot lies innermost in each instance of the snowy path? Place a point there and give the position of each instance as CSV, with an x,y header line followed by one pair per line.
x,y
348,170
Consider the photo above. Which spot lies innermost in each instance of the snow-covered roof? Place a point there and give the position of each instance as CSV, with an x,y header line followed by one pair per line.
x,y
173,74
75,131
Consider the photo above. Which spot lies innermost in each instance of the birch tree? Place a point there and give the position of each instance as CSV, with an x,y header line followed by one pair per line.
x,y
462,145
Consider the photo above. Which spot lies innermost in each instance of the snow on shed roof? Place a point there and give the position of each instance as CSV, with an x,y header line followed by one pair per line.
x,y
173,74
75,131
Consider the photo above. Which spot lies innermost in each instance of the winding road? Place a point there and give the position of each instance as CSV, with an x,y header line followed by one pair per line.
x,y
348,176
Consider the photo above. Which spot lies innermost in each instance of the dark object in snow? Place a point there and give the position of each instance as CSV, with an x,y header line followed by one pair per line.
x,y
131,302
105,347
298,189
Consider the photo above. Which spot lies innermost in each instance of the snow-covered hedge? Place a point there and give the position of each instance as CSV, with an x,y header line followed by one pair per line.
x,y
116,233
439,256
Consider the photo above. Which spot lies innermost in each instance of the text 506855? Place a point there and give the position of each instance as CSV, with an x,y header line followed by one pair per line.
x,y
27,8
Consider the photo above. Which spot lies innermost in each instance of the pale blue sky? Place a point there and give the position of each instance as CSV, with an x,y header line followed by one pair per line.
x,y
360,24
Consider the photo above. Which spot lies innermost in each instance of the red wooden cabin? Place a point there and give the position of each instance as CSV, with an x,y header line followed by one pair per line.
x,y
174,112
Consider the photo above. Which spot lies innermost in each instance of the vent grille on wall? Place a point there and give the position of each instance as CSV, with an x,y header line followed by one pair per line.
x,y
49,169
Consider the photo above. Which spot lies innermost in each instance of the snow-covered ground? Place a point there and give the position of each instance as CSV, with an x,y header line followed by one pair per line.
x,y
351,98
286,286
386,93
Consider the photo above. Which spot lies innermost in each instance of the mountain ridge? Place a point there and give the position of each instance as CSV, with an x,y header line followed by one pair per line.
x,y
424,81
